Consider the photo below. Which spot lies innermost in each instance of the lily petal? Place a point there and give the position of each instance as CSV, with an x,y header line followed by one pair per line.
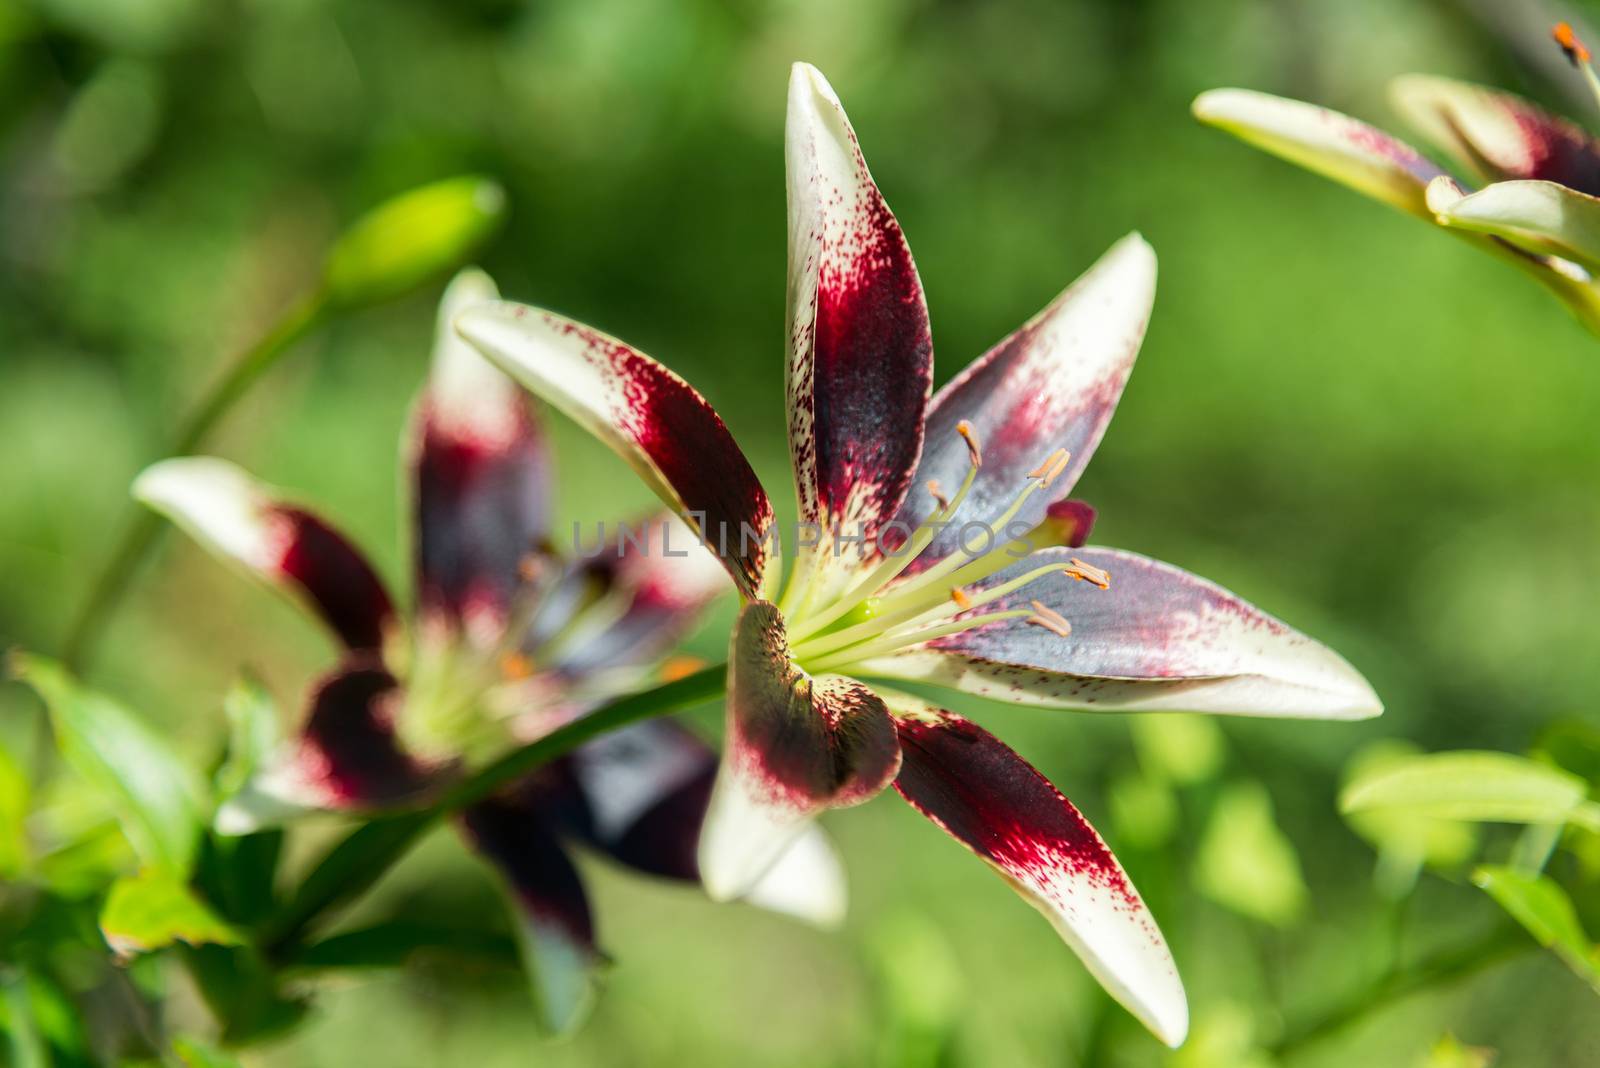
x,y
347,756
243,522
555,925
644,791
985,796
860,350
795,745
1051,385
1543,217
1158,639
1498,136
652,418
1335,146
482,475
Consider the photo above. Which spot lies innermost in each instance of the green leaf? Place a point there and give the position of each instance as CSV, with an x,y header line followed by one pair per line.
x,y
15,794
1184,749
195,1054
27,1046
396,942
1245,862
1574,745
1143,810
152,910
1449,1052
1468,785
413,238
155,796
1405,838
253,734
1538,903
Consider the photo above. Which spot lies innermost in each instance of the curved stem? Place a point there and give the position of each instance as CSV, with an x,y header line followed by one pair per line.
x,y
357,862
1439,970
140,532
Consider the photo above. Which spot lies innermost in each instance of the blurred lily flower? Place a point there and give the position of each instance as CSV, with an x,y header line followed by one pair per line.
x,y
507,640
1537,201
913,570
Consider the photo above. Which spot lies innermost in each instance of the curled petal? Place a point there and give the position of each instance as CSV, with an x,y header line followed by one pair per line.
x,y
795,745
860,351
1051,385
1069,522
985,796
652,418
555,925
1542,217
482,473
1335,146
242,522
1498,136
1157,639
347,756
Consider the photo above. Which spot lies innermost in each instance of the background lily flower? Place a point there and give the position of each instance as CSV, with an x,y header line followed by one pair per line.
x,y
1537,201
507,640
894,479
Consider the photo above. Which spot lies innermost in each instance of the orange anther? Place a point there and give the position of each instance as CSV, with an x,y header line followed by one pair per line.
x,y
970,436
1573,48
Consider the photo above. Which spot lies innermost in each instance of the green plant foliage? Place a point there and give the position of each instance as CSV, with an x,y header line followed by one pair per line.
x,y
1182,749
14,796
1246,863
1405,838
154,795
1482,786
152,910
1538,903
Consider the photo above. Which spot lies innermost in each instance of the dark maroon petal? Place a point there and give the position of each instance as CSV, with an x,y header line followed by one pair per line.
x,y
989,799
655,420
1070,522
1499,136
1157,638
1053,384
861,354
795,745
234,516
482,474
349,756
556,925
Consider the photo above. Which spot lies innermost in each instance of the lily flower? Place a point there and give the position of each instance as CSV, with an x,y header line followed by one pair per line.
x,y
918,568
1528,185
507,640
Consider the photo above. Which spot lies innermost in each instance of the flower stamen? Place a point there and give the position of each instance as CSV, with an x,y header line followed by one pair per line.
x,y
1577,54
970,436
1048,618
938,495
1084,572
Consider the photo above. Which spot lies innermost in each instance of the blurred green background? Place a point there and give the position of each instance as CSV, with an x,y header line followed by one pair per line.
x,y
1361,426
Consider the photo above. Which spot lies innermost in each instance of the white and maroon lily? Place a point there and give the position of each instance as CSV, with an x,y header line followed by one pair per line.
x,y
507,639
1538,204
915,565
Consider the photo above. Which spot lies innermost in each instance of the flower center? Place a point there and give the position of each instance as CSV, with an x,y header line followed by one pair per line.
x,y
882,612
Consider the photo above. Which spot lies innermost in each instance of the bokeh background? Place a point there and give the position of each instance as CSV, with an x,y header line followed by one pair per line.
x,y
1357,423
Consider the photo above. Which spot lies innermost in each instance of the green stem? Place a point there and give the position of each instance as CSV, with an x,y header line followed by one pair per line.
x,y
356,863
140,532
1440,970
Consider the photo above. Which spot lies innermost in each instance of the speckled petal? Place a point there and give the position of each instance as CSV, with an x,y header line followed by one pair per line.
x,y
1158,639
1335,146
794,746
860,351
1498,136
652,418
482,476
555,925
985,796
246,524
1053,384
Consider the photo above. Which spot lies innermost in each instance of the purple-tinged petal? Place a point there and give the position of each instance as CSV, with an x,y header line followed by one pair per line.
x,y
554,923
657,579
347,756
244,523
1051,385
985,796
1069,523
795,745
652,418
1158,639
1335,146
482,475
860,351
1498,136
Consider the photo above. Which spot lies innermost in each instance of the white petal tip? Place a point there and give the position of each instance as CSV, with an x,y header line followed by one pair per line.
x,y
1443,194
807,883
805,80
216,501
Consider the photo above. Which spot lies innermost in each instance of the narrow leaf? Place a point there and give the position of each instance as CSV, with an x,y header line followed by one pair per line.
x,y
154,795
1542,907
1468,785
